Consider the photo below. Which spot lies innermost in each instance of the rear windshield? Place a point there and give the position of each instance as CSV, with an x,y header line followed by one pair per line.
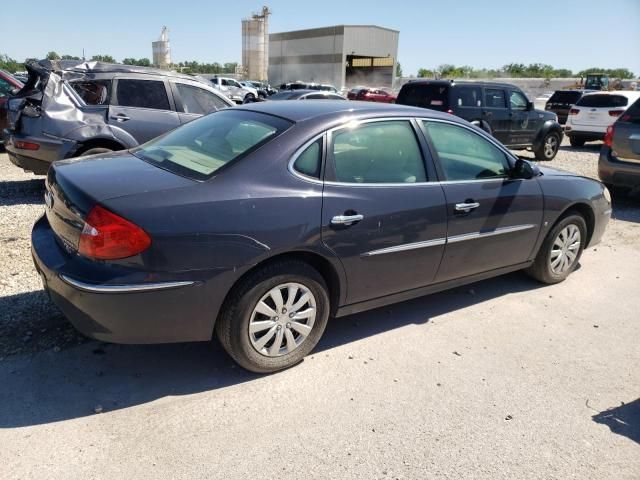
x,y
599,100
568,98
435,97
200,148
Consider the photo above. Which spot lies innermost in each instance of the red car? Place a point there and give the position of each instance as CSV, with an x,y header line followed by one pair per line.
x,y
7,84
371,95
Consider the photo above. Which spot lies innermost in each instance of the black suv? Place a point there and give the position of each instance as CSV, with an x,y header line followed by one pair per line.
x,y
561,102
501,109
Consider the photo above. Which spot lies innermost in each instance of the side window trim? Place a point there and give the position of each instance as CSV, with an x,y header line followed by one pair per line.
x,y
167,88
436,159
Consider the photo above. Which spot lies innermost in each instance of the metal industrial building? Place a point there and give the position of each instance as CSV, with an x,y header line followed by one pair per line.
x,y
255,45
342,55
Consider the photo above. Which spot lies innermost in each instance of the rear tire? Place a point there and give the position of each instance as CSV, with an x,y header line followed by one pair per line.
x,y
548,147
576,142
250,310
558,247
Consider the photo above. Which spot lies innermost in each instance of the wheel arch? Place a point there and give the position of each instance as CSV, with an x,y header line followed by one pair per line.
x,y
584,210
547,126
329,270
99,142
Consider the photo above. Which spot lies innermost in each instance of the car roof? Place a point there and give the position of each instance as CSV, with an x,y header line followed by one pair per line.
x,y
299,111
79,66
444,83
625,93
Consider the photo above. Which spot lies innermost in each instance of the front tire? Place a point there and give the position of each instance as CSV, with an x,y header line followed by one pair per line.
x,y
548,147
561,250
249,98
274,317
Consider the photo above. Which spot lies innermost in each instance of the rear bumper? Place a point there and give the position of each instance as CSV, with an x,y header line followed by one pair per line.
x,y
586,135
616,172
125,309
37,161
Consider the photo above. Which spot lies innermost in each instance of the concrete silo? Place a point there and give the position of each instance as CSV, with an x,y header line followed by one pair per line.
x,y
162,50
255,45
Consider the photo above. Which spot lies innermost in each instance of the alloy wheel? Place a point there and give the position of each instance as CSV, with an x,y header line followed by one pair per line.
x,y
565,249
282,319
550,146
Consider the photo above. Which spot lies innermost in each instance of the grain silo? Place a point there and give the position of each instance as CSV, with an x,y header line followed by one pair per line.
x,y
255,45
162,50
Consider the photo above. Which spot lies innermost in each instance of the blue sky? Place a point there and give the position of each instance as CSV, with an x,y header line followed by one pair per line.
x,y
480,33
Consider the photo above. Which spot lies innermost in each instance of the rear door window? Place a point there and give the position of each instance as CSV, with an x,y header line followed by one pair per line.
x,y
467,96
378,152
142,94
435,97
603,101
94,92
198,100
494,98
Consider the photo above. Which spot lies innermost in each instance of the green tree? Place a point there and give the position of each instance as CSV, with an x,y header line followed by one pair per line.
x,y
9,64
70,57
103,58
398,69
623,73
424,73
53,56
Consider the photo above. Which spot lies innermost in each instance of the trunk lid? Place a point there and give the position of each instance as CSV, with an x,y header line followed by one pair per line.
x,y
75,186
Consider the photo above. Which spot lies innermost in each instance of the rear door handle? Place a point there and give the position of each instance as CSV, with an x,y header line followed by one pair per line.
x,y
466,207
121,117
346,219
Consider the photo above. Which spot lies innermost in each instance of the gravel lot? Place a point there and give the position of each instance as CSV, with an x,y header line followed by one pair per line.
x,y
503,379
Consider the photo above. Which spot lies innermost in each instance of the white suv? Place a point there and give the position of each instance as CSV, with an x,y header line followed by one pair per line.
x,y
591,115
232,89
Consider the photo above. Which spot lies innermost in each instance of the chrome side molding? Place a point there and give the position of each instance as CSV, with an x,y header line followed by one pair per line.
x,y
137,287
407,246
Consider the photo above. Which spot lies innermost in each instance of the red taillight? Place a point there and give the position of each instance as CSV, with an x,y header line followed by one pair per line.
x,y
608,137
26,145
574,111
615,113
107,236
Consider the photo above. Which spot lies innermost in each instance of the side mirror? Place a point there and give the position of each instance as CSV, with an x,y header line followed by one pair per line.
x,y
529,106
524,169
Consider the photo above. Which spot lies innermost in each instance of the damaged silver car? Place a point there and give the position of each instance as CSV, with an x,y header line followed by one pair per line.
x,y
70,108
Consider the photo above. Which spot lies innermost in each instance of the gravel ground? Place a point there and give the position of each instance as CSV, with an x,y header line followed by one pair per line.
x,y
29,322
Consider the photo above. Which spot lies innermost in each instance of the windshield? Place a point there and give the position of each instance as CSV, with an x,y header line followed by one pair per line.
x,y
200,148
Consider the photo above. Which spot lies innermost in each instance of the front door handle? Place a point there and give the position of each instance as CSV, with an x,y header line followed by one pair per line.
x,y
121,117
346,219
466,207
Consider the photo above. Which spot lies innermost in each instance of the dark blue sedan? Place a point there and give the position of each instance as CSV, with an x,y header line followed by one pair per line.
x,y
261,222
